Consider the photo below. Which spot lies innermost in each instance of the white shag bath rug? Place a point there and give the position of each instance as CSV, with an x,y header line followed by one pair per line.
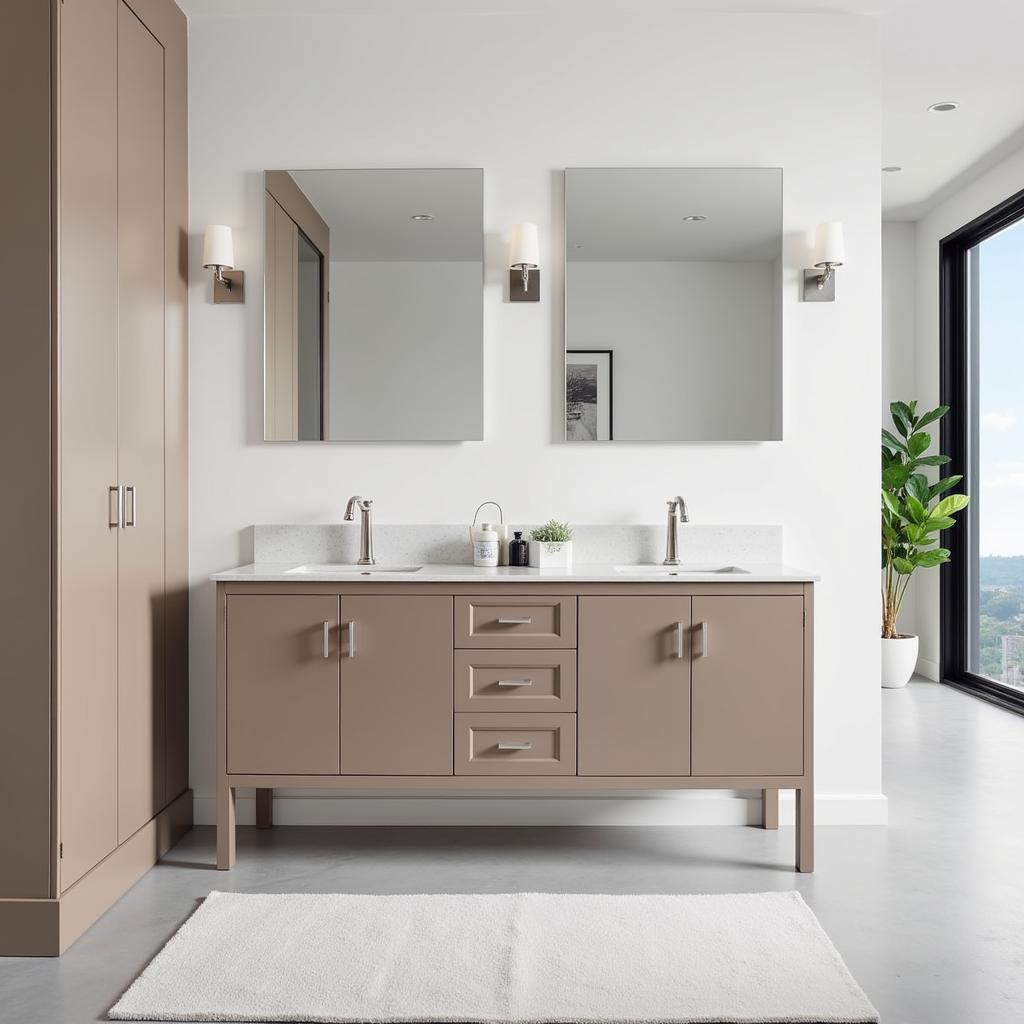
x,y
499,959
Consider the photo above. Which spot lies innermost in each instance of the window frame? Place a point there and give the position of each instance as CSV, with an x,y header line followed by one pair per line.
x,y
958,440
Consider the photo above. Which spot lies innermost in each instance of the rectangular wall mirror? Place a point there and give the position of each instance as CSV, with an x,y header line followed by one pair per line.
x,y
373,305
673,320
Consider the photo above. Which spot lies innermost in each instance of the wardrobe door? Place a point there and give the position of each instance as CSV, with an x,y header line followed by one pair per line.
x,y
140,225
87,319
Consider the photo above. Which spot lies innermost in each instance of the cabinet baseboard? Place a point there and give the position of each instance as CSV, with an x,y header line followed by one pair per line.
x,y
47,927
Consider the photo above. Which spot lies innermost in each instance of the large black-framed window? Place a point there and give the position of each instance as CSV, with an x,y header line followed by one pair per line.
x,y
972,582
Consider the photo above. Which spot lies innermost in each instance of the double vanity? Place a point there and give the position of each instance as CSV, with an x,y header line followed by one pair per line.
x,y
445,677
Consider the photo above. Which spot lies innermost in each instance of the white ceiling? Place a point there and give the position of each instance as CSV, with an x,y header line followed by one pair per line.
x,y
932,50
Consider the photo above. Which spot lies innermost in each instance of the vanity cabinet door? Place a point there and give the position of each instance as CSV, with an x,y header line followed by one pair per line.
x,y
748,685
396,685
282,684
633,689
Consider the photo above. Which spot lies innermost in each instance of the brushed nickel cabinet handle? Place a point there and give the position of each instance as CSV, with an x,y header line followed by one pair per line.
x,y
679,639
327,639
515,682
516,622
351,630
705,649
130,489
115,507
515,746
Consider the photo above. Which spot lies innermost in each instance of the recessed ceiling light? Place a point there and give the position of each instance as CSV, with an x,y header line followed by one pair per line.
x,y
694,217
943,107
892,169
422,216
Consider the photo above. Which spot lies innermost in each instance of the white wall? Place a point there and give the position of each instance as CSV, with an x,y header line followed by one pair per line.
x,y
899,348
693,345
434,89
986,191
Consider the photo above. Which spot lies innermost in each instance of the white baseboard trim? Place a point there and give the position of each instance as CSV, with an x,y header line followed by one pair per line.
x,y
928,669
724,807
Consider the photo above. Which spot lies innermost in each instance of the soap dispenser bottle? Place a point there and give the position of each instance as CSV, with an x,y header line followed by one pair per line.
x,y
519,551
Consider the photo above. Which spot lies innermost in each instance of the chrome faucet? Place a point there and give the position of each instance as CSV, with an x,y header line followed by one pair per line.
x,y
365,527
677,513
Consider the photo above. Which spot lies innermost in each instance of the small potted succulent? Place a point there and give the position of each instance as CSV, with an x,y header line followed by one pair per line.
x,y
551,546
914,515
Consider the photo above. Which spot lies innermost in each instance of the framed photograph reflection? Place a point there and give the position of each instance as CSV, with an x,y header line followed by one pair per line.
x,y
588,395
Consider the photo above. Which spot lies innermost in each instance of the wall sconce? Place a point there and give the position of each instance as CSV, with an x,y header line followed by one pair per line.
x,y
219,256
524,286
829,253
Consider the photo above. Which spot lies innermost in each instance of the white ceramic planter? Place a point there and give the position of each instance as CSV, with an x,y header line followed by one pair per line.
x,y
899,658
550,555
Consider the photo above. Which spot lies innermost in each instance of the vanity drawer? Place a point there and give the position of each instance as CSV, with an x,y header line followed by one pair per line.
x,y
515,681
504,744
515,621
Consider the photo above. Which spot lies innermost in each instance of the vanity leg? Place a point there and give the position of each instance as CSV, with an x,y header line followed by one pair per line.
x,y
225,825
264,808
805,829
769,808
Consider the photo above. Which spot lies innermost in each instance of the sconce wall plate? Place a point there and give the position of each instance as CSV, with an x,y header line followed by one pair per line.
x,y
516,291
236,293
812,293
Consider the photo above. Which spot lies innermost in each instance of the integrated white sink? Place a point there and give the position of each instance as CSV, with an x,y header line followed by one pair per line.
x,y
341,569
681,570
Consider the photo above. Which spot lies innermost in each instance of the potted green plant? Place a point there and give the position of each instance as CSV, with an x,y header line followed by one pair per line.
x,y
914,514
551,545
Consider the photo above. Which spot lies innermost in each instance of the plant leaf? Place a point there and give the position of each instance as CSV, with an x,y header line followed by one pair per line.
x,y
918,444
928,559
892,442
917,485
917,512
931,417
895,476
890,502
930,460
903,566
949,505
902,417
943,485
936,523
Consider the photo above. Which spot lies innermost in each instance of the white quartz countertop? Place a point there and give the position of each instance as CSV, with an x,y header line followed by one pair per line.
x,y
293,572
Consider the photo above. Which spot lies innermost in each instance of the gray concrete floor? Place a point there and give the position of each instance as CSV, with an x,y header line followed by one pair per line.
x,y
928,913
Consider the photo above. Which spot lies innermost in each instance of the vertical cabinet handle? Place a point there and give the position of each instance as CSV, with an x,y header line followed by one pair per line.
x,y
115,511
327,639
133,521
351,629
705,648
679,639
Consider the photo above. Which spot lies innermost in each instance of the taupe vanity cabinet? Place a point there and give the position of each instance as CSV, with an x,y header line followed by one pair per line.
x,y
558,687
93,706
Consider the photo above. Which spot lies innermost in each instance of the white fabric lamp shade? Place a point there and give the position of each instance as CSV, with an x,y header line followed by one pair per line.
x,y
525,247
218,248
828,244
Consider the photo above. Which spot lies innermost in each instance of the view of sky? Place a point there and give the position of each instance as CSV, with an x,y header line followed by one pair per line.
x,y
1000,504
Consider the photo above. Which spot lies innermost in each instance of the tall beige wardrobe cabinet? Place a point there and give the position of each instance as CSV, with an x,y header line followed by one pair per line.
x,y
93,435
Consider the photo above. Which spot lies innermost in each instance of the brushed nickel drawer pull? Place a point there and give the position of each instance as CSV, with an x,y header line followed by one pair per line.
x,y
705,649
679,640
351,628
130,489
115,511
515,682
327,639
515,746
516,622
